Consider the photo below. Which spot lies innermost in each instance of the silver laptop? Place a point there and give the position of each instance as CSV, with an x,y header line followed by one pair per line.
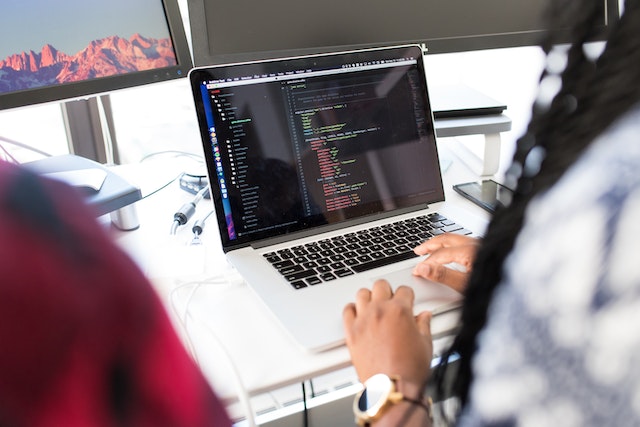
x,y
324,175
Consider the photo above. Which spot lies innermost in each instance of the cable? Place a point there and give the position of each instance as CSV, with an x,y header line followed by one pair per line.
x,y
21,145
163,187
198,227
175,153
243,395
8,155
305,414
182,216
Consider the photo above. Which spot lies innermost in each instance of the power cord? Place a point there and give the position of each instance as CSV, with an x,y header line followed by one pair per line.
x,y
305,414
198,227
243,395
184,214
22,145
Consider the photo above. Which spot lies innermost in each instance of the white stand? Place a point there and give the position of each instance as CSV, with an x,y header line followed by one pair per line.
x,y
490,126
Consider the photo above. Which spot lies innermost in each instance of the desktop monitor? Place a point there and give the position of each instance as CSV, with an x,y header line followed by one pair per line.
x,y
78,51
242,30
67,49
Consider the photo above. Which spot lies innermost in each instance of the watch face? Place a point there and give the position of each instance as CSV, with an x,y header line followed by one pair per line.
x,y
375,394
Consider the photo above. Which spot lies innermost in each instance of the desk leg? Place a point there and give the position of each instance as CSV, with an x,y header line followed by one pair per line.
x,y
490,161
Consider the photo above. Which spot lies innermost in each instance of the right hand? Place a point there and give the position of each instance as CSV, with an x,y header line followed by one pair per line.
x,y
445,249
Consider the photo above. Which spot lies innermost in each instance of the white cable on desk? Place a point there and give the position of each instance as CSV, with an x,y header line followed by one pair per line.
x,y
243,395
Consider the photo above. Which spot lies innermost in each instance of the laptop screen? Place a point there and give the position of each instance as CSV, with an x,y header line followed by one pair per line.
x,y
293,144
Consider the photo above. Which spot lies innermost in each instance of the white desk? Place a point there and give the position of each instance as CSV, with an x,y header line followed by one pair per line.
x,y
227,321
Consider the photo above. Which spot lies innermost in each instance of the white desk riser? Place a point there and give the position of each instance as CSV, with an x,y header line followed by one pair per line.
x,y
226,320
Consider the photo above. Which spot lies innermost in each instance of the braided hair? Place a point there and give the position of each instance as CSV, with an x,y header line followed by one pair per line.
x,y
592,91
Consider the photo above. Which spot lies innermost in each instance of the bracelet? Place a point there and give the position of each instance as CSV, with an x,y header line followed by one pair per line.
x,y
379,393
424,403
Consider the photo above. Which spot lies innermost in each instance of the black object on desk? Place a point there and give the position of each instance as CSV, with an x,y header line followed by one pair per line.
x,y
488,194
462,101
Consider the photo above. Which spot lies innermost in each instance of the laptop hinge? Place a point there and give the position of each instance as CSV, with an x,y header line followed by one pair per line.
x,y
332,227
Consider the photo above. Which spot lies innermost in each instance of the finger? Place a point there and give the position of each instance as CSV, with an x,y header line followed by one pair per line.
x,y
363,298
462,255
442,241
423,321
348,320
381,290
349,313
405,295
363,295
441,274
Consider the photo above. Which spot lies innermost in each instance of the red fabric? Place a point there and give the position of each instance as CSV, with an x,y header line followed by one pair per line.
x,y
84,339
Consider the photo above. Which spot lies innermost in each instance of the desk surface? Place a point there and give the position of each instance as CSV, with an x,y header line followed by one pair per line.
x,y
226,321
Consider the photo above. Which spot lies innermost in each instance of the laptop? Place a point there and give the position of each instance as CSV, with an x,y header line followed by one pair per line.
x,y
452,101
316,164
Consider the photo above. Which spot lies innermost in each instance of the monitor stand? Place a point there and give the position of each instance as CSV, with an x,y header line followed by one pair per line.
x,y
104,190
90,129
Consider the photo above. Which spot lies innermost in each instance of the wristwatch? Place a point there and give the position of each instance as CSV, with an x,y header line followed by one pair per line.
x,y
379,393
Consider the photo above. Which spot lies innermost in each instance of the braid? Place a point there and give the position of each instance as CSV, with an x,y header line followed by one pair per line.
x,y
557,135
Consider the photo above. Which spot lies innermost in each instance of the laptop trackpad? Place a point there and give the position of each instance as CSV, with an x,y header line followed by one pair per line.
x,y
429,295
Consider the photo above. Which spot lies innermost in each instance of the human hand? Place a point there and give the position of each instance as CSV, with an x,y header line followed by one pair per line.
x,y
383,335
445,249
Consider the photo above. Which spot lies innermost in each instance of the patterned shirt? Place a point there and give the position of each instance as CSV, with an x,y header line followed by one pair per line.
x,y
562,343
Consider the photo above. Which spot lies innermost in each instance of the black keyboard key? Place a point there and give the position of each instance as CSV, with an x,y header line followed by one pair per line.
x,y
383,261
462,231
273,259
435,217
298,284
327,277
300,275
286,271
344,272
286,255
282,264
314,280
364,258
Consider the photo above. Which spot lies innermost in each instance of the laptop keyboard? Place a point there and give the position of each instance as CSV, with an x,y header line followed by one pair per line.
x,y
328,259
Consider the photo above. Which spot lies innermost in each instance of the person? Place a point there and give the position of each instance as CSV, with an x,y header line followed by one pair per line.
x,y
547,334
85,339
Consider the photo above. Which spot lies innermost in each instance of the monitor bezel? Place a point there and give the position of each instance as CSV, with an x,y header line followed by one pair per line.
x,y
204,54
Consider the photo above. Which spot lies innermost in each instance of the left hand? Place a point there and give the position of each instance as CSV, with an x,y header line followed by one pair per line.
x,y
443,250
383,336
